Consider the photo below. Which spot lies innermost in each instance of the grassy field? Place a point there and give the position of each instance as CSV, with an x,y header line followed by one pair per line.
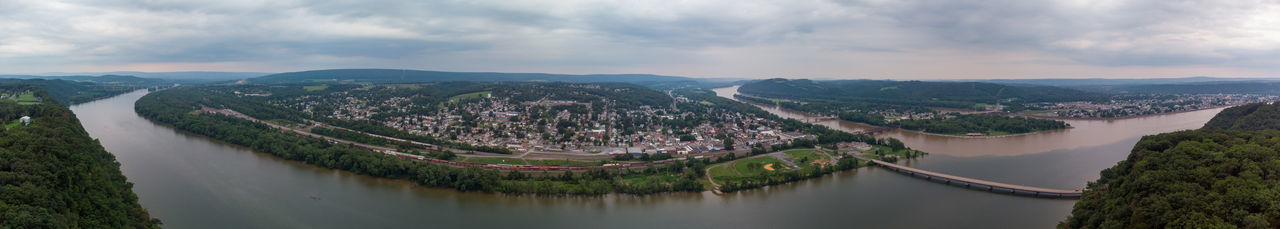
x,y
315,88
805,157
495,160
745,167
724,170
27,99
480,94
563,162
755,166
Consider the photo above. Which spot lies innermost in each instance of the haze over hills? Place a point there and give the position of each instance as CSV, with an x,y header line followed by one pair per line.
x,y
189,75
1081,82
1194,85
107,79
417,76
910,92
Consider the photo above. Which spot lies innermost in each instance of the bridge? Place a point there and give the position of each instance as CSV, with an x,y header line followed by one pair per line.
x,y
976,183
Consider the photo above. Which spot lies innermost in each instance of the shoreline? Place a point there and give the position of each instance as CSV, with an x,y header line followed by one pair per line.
x,y
808,115
983,136
1115,118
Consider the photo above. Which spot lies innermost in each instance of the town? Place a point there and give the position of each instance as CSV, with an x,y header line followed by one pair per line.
x,y
1137,105
508,117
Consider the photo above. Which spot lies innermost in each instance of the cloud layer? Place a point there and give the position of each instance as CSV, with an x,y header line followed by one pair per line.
x,y
712,38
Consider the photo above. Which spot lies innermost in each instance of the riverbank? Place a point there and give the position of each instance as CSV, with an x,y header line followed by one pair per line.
x,y
1115,118
978,137
681,174
238,188
811,116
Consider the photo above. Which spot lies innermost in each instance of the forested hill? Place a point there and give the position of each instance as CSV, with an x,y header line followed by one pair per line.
x,y
69,92
1225,175
917,93
418,76
53,175
1254,116
103,79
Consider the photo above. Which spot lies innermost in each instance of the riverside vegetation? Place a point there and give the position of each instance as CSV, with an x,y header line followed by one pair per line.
x,y
176,107
1224,175
905,104
53,175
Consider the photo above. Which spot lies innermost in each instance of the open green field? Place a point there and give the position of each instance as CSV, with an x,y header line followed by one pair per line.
x,y
495,160
315,88
480,94
563,162
755,166
12,124
805,157
27,99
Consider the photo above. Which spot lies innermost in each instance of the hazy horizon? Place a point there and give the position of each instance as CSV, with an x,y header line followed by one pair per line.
x,y
696,77
821,39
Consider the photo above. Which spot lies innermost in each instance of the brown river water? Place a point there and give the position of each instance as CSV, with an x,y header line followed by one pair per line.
x,y
190,181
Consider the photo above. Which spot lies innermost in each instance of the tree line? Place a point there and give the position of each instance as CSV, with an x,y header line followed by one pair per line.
x,y
978,123
1222,176
175,106
54,175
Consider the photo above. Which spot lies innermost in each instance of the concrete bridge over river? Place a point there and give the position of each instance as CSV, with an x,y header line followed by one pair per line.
x,y
976,183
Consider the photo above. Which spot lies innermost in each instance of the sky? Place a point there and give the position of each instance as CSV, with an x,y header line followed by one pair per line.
x,y
895,39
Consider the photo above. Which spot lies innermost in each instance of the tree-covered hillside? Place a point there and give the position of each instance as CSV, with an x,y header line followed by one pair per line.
x,y
69,92
53,175
1254,116
1226,175
981,124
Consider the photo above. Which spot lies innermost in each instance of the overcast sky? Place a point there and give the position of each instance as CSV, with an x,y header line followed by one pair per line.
x,y
897,39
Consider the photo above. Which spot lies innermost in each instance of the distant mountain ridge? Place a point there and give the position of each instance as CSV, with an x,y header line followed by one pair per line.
x,y
190,75
419,76
923,93
1070,82
107,79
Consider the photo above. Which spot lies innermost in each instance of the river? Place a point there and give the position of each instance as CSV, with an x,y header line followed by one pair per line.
x,y
190,181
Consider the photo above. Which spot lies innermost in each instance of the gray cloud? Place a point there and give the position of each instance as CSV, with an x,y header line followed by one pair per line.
x,y
713,37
